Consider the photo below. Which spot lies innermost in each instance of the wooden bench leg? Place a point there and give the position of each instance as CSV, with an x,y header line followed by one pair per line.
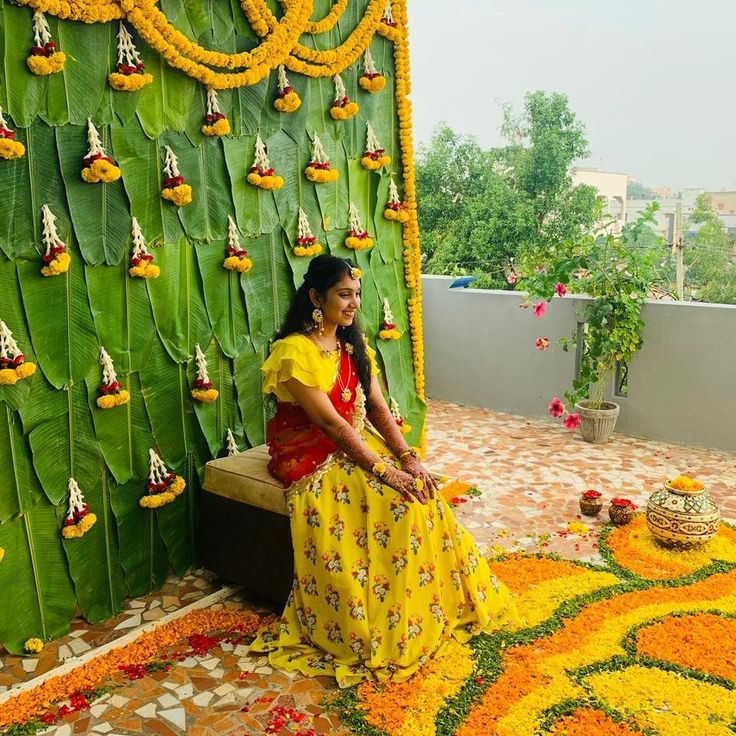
x,y
247,545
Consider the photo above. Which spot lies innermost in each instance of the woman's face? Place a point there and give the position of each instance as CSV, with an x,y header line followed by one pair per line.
x,y
341,302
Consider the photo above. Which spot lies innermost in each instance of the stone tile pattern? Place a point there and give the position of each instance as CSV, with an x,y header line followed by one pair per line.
x,y
530,474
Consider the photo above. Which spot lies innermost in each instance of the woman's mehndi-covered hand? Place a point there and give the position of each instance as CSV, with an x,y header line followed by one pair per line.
x,y
413,467
405,483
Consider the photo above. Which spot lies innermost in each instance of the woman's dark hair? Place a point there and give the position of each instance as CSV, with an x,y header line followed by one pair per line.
x,y
323,273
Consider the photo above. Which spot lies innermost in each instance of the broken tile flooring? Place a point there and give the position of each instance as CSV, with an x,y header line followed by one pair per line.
x,y
530,474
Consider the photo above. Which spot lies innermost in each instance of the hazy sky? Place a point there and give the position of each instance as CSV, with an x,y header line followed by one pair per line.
x,y
653,81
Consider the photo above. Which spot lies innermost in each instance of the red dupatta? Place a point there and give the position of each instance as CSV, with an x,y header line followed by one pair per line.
x,y
296,445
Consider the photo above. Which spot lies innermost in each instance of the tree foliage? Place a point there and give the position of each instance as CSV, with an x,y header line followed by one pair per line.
x,y
479,210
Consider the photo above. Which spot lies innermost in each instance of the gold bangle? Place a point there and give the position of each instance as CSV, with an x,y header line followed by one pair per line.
x,y
379,469
411,451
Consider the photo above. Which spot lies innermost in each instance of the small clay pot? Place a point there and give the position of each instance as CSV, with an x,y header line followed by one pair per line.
x,y
620,515
591,506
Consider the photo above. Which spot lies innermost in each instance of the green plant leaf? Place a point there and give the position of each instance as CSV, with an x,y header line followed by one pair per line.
x,y
34,569
249,382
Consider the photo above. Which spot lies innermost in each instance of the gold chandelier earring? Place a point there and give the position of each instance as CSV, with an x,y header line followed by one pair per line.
x,y
318,319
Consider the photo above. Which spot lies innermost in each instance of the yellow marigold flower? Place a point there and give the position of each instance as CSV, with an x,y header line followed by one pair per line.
x,y
8,377
206,396
156,500
178,486
45,65
107,401
271,182
219,128
122,397
288,103
253,178
33,646
129,82
577,527
179,195
238,263
345,112
392,334
320,176
10,149
100,170
24,370
358,243
686,483
2,554
59,265
372,85
405,428
145,270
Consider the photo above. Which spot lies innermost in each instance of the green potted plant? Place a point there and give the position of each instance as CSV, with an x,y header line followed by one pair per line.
x,y
616,272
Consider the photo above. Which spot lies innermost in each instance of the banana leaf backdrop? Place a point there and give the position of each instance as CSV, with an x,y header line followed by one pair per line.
x,y
50,426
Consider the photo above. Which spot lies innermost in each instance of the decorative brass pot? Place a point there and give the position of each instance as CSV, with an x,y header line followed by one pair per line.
x,y
682,519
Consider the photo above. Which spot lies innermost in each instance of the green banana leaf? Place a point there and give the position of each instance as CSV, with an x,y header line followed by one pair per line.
x,y
224,299
142,551
39,600
255,209
3,77
178,302
141,161
266,286
215,418
334,196
248,382
21,489
62,332
203,167
100,212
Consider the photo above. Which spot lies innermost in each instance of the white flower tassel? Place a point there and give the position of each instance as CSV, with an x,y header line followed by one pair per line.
x,y
374,157
283,80
8,346
202,389
261,157
287,99
261,173
396,414
371,80
78,520
306,241
318,169
357,238
13,364
232,445
171,164
395,209
97,166
56,259
354,219
94,144
41,30
128,55
388,326
369,66
163,486
44,59
393,193
213,106
319,155
112,394
141,262
236,257
215,122
388,15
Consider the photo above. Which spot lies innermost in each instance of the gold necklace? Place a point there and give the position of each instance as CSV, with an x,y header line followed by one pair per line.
x,y
322,349
345,392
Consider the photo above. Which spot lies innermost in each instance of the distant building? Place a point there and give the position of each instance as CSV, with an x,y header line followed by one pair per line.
x,y
611,188
662,192
723,203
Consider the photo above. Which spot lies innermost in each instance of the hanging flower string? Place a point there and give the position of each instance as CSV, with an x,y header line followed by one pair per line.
x,y
131,72
97,166
374,157
112,394
231,444
215,122
357,238
371,80
236,258
44,58
287,100
163,486
202,389
306,241
389,27
13,364
318,169
405,427
388,326
342,108
9,147
175,190
395,209
141,262
261,173
56,258
79,519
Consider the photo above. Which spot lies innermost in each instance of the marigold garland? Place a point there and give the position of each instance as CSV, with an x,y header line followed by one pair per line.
x,y
389,26
13,364
56,259
318,169
306,241
9,147
357,237
130,74
44,58
163,486
215,122
141,261
236,258
175,190
262,174
33,703
112,393
287,99
79,519
202,388
342,108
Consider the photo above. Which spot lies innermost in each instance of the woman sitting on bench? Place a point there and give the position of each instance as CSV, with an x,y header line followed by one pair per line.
x,y
383,573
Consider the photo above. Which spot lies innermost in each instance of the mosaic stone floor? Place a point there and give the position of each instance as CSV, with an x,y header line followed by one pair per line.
x,y
530,474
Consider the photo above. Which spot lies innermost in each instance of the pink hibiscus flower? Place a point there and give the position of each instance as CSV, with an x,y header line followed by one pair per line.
x,y
556,408
572,421
540,309
542,343
560,288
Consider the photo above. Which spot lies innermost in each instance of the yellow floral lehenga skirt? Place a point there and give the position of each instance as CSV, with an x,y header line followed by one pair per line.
x,y
380,583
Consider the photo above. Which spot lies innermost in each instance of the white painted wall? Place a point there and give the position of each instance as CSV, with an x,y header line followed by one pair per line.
x,y
479,350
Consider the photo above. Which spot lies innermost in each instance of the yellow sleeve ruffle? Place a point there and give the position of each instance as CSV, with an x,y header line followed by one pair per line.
x,y
375,370
296,356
